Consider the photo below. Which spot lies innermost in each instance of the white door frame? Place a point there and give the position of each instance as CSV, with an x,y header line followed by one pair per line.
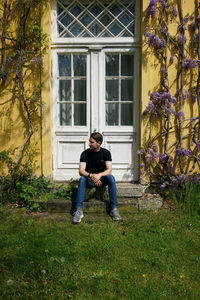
x,y
63,136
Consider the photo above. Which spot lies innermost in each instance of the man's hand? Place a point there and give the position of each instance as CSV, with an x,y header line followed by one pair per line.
x,y
96,179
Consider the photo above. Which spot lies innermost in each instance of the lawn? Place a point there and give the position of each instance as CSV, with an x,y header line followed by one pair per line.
x,y
145,256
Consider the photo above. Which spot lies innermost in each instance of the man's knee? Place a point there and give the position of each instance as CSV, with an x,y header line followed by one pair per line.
x,y
82,180
110,178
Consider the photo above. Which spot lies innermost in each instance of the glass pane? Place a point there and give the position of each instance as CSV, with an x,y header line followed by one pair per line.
x,y
79,65
112,114
86,19
115,28
95,9
75,29
127,114
127,90
116,9
75,10
105,19
80,114
112,65
112,90
95,28
65,90
80,90
65,19
126,18
64,64
132,28
127,65
65,114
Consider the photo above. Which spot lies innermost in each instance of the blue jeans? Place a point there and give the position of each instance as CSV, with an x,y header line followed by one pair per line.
x,y
85,182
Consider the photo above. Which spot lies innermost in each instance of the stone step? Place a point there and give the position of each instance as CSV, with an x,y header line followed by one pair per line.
x,y
124,190
147,202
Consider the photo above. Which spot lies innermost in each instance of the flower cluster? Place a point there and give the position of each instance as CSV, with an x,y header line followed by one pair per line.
x,y
181,39
192,27
171,60
160,104
189,63
198,145
182,152
174,12
154,40
151,12
163,3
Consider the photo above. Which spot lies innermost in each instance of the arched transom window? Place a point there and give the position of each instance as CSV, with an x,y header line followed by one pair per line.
x,y
96,18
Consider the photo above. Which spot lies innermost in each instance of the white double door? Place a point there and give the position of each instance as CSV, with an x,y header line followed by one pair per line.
x,y
95,89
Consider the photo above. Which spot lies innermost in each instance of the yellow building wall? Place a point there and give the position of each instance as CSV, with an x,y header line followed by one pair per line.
x,y
150,82
46,136
13,128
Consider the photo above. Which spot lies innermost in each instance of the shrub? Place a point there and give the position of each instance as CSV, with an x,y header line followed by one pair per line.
x,y
188,197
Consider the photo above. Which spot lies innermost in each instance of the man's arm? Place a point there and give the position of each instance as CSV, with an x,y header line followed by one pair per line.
x,y
82,171
108,171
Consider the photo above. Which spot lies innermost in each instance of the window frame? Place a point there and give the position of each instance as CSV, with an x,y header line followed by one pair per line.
x,y
93,40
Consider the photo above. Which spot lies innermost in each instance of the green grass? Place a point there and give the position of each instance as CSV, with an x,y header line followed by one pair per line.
x,y
146,256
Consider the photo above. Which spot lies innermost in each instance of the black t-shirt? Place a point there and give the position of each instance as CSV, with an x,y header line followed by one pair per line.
x,y
95,161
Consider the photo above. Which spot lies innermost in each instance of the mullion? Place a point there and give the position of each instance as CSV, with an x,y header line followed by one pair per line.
x,y
120,62
72,87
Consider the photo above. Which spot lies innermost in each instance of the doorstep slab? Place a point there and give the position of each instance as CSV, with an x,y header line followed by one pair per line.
x,y
145,203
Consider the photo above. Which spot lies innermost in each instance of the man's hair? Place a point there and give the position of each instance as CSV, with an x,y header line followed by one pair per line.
x,y
98,137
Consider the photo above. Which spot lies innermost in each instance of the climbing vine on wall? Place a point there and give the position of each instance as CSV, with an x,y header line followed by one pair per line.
x,y
171,151
22,47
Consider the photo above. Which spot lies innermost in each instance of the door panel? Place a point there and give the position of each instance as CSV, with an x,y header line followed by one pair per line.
x,y
94,91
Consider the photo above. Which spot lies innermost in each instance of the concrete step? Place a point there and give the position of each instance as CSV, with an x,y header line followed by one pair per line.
x,y
124,190
147,202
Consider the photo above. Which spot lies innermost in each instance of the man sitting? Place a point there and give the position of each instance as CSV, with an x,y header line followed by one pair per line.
x,y
95,170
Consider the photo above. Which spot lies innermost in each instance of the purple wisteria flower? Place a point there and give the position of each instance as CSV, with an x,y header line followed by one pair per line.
x,y
142,151
163,186
192,120
174,100
181,115
195,39
198,145
165,32
160,104
198,18
162,43
163,70
172,59
192,27
153,40
186,95
181,27
189,64
152,9
174,12
155,147
181,177
165,157
163,3
194,99
174,181
38,61
182,39
182,152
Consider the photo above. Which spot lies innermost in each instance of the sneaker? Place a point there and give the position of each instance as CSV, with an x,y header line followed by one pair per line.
x,y
78,215
115,214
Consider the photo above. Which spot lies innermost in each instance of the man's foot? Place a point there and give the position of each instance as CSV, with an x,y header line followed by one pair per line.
x,y
78,215
115,214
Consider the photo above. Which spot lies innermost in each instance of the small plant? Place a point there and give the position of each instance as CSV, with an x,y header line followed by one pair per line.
x,y
188,197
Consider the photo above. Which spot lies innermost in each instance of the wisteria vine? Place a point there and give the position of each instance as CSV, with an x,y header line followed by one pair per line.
x,y
172,155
